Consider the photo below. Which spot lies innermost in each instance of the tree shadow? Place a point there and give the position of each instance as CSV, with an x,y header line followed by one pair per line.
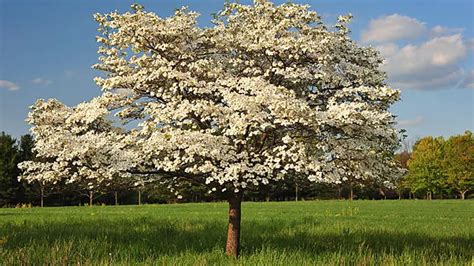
x,y
358,241
158,237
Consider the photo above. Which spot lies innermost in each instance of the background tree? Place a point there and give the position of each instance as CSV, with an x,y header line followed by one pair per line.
x,y
268,93
9,185
25,148
459,162
402,158
425,167
400,186
30,192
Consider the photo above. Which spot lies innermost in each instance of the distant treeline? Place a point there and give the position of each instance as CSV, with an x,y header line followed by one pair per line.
x,y
436,168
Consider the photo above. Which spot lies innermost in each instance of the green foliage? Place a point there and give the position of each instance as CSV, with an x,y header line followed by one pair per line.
x,y
30,192
426,173
13,192
26,146
439,166
282,233
459,162
9,185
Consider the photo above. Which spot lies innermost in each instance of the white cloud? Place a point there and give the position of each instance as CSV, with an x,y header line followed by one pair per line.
x,y
468,83
9,85
430,65
411,122
440,30
470,44
387,49
41,81
391,28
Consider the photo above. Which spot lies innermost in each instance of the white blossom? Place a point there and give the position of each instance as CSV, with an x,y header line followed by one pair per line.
x,y
267,93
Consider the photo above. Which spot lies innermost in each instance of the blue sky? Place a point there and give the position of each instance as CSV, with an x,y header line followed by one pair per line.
x,y
47,48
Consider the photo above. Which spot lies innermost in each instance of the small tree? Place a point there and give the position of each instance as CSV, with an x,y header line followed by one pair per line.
x,y
267,93
425,166
459,162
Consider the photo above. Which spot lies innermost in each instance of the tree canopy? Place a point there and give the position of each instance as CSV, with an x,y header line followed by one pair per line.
x,y
425,165
439,165
267,92
459,162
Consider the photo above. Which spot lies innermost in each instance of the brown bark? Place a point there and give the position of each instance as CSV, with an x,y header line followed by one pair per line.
x,y
116,197
382,193
91,198
139,197
42,196
351,195
232,247
296,191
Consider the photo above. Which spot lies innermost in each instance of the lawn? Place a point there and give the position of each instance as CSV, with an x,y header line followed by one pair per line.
x,y
273,233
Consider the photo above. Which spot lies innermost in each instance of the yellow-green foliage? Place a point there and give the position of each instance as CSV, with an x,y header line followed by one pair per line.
x,y
459,162
438,165
425,165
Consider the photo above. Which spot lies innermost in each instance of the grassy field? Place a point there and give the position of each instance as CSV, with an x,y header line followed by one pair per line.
x,y
275,233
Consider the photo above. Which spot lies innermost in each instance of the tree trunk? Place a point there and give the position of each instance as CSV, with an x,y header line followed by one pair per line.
x,y
42,197
463,194
382,193
428,195
116,198
339,192
139,197
351,195
296,191
232,247
91,198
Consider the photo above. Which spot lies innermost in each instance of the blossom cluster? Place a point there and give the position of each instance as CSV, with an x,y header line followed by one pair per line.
x,y
269,92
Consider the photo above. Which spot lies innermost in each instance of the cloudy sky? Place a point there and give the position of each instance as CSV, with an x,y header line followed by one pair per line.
x,y
48,46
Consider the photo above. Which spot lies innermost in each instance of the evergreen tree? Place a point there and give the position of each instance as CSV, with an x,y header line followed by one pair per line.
x,y
29,193
9,185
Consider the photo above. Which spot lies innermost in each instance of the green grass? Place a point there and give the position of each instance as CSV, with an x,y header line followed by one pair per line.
x,y
275,233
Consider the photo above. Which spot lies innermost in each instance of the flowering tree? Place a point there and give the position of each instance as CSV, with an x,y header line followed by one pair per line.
x,y
269,92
